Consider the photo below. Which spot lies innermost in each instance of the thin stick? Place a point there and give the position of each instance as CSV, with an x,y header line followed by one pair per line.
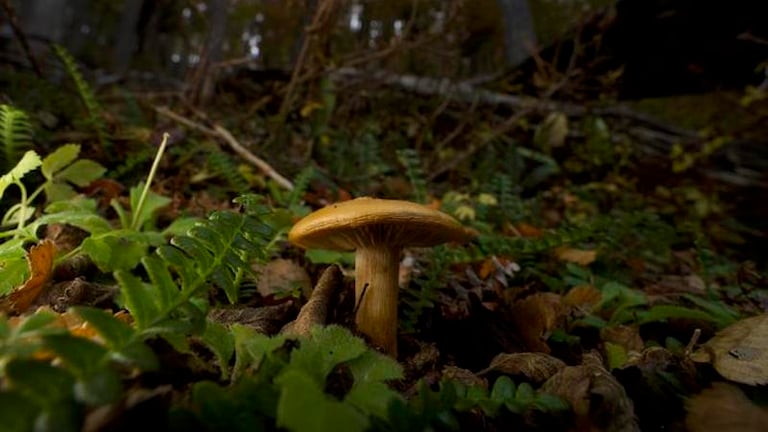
x,y
221,132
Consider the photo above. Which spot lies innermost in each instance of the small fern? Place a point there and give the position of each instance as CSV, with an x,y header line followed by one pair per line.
x,y
422,294
88,97
222,164
412,163
15,136
300,185
215,252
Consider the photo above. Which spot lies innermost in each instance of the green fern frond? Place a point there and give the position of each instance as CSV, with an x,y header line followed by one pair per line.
x,y
87,95
412,163
15,136
216,252
300,185
222,164
133,159
422,294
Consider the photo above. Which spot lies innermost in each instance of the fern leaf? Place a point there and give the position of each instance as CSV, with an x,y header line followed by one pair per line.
x,y
15,136
412,163
87,95
216,251
223,165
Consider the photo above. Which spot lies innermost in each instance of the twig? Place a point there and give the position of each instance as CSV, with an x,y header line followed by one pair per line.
x,y
221,132
315,311
14,22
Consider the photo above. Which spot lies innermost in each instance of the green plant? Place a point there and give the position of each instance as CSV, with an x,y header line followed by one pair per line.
x,y
15,136
330,380
92,106
410,159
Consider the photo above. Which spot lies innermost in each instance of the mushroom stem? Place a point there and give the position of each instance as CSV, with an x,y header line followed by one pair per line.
x,y
377,269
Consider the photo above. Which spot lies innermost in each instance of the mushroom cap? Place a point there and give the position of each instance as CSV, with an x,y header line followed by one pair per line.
x,y
364,222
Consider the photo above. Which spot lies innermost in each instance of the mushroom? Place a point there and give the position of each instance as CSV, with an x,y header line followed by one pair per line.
x,y
377,230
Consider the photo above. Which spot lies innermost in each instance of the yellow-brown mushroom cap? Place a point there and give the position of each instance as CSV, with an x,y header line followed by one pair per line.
x,y
364,222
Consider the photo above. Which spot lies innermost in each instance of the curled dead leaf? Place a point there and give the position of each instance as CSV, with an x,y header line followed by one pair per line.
x,y
625,336
464,376
597,399
40,262
583,296
283,276
536,367
739,352
535,317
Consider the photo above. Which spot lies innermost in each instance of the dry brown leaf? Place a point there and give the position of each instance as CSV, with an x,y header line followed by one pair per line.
x,y
535,317
464,376
283,276
626,336
266,319
597,399
739,352
537,367
583,296
724,408
40,262
577,256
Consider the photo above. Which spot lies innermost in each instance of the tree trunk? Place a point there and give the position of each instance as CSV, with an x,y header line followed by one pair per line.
x,y
519,32
127,40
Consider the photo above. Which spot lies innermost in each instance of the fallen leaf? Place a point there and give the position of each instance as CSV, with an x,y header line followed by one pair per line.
x,y
535,317
577,256
583,296
283,276
724,408
464,376
598,401
528,230
739,352
40,262
625,336
536,367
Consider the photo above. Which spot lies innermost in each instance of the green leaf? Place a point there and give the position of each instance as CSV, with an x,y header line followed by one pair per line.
x,y
59,191
181,226
81,355
116,333
503,389
137,354
373,366
29,162
13,272
525,393
115,250
88,221
152,203
251,347
372,398
665,312
82,172
46,384
303,407
17,411
138,299
324,256
221,342
325,348
616,355
35,322
60,158
100,387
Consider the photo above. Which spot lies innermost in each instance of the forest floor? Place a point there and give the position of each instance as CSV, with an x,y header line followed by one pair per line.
x,y
616,281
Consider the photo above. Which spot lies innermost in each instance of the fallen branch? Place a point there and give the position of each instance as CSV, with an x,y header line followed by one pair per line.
x,y
221,132
467,93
